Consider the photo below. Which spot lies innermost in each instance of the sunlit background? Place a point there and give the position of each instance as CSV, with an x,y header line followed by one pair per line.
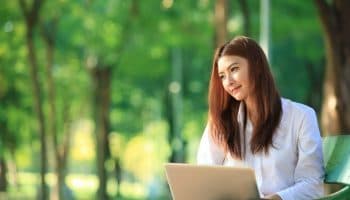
x,y
117,88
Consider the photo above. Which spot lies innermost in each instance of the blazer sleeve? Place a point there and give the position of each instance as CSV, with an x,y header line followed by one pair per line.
x,y
209,153
309,171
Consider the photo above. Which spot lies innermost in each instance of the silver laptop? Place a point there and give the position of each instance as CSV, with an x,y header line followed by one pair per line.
x,y
201,182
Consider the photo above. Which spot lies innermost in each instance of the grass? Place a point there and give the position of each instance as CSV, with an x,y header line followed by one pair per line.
x,y
81,186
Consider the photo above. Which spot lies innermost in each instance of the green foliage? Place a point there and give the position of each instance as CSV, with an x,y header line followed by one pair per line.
x,y
15,103
297,51
136,39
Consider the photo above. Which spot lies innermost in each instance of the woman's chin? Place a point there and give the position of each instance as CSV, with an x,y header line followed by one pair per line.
x,y
237,97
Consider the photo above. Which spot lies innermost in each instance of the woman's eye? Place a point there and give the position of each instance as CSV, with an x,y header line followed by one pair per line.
x,y
222,77
233,69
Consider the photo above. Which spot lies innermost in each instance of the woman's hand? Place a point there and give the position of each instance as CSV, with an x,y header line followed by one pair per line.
x,y
273,197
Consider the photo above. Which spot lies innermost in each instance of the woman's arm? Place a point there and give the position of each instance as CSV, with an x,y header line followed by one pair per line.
x,y
209,153
309,170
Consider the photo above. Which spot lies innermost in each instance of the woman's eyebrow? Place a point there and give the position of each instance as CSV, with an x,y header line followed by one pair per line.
x,y
231,65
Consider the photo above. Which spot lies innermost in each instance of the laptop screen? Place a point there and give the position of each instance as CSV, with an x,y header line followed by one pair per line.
x,y
202,182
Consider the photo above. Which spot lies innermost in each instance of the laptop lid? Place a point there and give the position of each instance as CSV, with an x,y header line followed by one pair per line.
x,y
202,182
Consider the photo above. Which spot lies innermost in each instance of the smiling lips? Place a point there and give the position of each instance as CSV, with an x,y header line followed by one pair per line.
x,y
235,89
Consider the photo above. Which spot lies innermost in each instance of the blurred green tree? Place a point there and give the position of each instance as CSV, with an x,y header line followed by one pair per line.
x,y
132,64
334,17
31,17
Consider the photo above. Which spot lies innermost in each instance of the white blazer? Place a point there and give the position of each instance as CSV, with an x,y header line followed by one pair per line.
x,y
293,168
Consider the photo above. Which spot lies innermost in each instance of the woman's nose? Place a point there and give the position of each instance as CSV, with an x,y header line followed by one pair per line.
x,y
229,80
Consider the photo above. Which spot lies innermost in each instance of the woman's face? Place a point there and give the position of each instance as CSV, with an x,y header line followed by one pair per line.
x,y
234,74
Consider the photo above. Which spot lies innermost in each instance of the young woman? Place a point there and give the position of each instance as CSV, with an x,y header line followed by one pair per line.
x,y
250,124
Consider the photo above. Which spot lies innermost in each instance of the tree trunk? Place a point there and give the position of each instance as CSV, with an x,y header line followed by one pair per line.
x,y
3,172
102,77
3,179
265,26
316,79
31,18
118,173
246,17
61,155
12,168
48,36
60,151
220,22
174,115
335,17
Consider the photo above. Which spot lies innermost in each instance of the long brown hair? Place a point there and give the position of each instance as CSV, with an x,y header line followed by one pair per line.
x,y
223,109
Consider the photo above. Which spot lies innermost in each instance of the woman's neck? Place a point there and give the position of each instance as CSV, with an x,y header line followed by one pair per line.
x,y
251,110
